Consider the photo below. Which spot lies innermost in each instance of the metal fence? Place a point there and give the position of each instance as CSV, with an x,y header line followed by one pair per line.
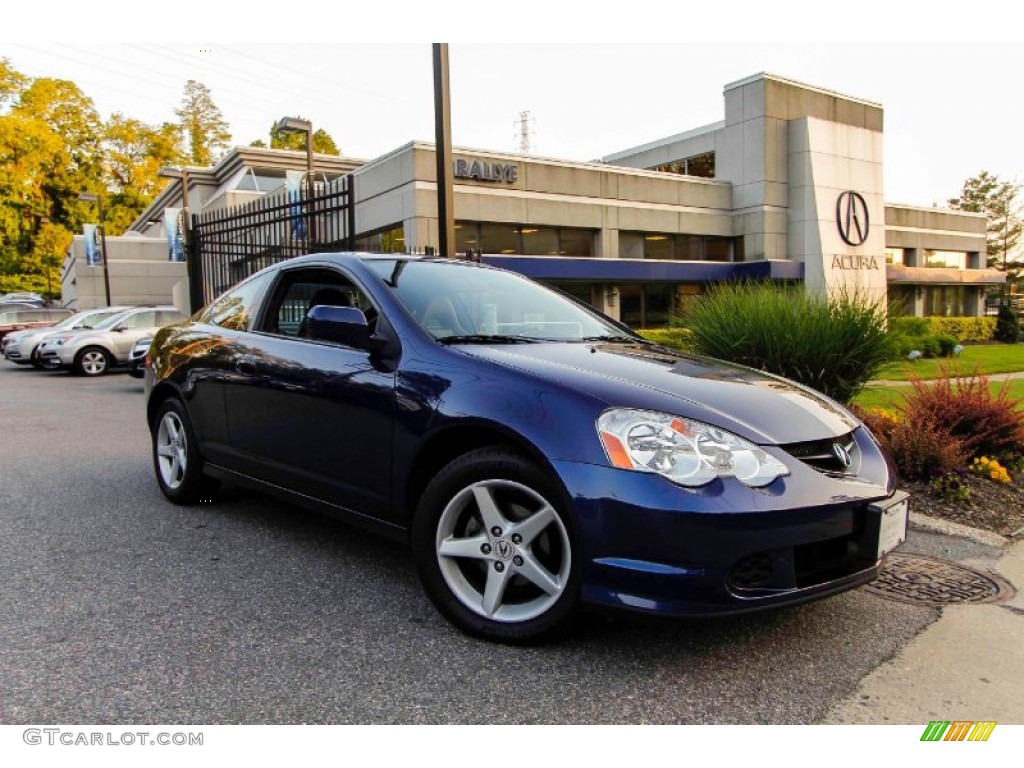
x,y
227,246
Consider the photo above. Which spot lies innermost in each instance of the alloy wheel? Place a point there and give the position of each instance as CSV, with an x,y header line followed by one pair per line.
x,y
172,450
503,550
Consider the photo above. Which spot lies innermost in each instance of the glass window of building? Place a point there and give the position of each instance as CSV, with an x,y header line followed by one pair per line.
x,y
945,259
698,165
387,240
659,246
893,255
580,291
662,245
523,239
944,300
901,300
646,305
539,241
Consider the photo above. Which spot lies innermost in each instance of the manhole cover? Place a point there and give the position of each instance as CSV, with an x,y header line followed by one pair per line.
x,y
928,581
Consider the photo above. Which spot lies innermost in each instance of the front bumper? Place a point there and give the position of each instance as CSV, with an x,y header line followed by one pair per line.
x,y
652,546
62,356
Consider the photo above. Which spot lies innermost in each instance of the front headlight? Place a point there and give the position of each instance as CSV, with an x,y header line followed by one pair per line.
x,y
686,452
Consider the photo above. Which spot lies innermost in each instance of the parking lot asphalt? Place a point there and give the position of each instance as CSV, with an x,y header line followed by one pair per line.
x,y
119,607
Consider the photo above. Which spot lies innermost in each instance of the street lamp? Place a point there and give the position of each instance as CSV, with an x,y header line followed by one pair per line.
x,y
90,198
195,298
288,125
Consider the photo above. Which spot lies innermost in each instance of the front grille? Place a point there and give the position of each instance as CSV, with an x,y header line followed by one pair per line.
x,y
766,573
834,456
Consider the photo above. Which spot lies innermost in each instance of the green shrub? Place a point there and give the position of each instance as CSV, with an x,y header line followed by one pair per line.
x,y
677,338
964,329
834,345
910,326
1007,326
946,343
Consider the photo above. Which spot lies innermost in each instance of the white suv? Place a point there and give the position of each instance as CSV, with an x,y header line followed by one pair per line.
x,y
93,353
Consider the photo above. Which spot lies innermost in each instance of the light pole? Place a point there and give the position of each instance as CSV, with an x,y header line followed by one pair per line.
x,y
90,198
192,269
443,150
288,125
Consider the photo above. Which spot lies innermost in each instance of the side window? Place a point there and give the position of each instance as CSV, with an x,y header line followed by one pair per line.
x,y
169,318
234,310
302,289
139,320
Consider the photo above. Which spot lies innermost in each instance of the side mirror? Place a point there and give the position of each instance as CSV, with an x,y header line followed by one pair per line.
x,y
341,325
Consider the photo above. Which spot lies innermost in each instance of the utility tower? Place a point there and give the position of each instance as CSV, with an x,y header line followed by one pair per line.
x,y
525,133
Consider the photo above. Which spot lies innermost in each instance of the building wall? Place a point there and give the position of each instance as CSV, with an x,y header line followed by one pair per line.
x,y
401,188
139,273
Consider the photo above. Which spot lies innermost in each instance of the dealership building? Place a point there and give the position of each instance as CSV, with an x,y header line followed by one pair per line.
x,y
788,186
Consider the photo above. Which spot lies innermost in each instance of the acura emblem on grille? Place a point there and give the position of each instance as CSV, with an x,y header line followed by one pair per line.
x,y
842,455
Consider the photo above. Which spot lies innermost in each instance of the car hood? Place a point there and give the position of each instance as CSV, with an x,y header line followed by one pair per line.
x,y
757,406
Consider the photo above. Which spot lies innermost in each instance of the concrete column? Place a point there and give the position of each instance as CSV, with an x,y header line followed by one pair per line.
x,y
607,300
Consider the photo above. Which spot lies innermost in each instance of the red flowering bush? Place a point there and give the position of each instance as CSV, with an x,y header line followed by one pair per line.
x,y
920,448
966,410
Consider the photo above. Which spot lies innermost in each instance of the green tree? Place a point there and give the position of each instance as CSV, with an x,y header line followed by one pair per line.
x,y
1000,201
134,152
204,128
322,141
11,82
49,152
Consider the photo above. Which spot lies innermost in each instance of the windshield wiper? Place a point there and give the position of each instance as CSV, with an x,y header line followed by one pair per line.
x,y
486,338
612,339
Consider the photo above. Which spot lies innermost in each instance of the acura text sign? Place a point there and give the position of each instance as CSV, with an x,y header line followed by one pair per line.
x,y
483,171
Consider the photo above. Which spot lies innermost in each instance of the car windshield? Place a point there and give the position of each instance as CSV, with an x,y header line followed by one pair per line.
x,y
108,322
464,303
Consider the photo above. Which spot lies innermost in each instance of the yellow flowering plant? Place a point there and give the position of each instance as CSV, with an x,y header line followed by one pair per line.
x,y
992,469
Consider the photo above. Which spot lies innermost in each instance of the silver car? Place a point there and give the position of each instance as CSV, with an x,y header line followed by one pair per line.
x,y
94,352
22,347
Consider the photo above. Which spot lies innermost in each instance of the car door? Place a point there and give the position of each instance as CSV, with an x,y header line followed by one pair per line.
x,y
310,415
130,330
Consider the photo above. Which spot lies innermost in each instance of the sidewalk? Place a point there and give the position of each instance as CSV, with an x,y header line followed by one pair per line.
x,y
990,377
968,665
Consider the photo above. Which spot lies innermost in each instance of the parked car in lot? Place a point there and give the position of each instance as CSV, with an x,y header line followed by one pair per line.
x,y
29,317
536,454
22,347
137,357
94,352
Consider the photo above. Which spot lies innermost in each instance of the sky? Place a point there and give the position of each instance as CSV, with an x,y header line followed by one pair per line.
x,y
952,106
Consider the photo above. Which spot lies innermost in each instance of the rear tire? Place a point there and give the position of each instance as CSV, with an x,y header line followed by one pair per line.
x,y
176,459
497,549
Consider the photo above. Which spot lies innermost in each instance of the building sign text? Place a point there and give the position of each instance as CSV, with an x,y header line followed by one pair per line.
x,y
475,169
851,261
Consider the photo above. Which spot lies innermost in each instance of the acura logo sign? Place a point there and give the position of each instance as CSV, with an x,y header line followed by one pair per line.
x,y
842,455
852,218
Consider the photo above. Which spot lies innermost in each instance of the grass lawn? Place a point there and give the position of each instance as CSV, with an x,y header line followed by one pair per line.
x,y
991,358
892,397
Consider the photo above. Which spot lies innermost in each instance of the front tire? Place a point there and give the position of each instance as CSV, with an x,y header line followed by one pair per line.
x,y
92,361
176,458
496,548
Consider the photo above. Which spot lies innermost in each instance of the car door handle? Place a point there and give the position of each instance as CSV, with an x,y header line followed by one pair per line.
x,y
245,366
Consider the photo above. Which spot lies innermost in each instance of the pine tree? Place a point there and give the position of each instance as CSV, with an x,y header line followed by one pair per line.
x,y
204,128
1000,202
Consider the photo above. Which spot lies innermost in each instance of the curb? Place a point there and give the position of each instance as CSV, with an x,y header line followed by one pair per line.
x,y
937,525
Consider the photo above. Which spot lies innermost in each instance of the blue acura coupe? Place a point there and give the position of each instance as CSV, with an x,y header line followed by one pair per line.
x,y
537,456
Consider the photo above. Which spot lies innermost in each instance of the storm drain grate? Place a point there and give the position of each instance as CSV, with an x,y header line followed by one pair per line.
x,y
928,581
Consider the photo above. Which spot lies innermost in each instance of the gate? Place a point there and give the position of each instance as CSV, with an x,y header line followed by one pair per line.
x,y
227,246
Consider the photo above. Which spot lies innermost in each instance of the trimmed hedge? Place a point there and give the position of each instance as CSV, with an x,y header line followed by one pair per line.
x,y
963,329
